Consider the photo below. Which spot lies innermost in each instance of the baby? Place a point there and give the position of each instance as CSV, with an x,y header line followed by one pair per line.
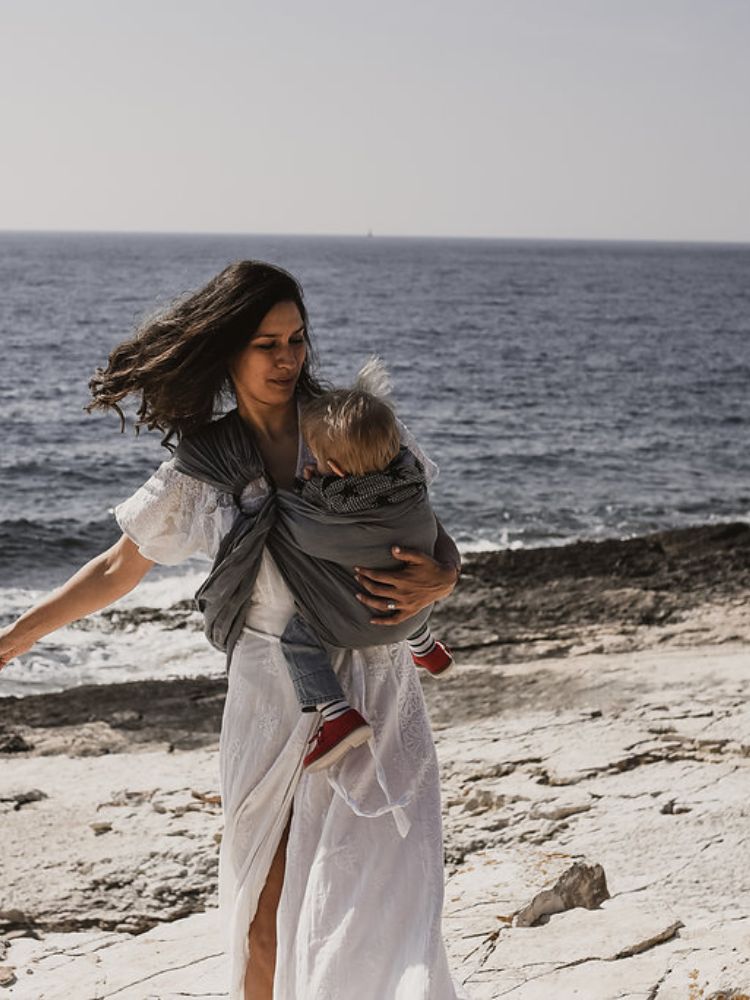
x,y
360,465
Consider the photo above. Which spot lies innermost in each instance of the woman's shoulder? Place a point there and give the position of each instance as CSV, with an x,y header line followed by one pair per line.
x,y
168,490
172,515
170,478
221,454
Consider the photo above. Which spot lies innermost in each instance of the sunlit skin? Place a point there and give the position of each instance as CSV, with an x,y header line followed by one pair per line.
x,y
265,374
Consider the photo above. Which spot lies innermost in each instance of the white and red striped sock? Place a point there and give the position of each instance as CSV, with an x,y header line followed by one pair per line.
x,y
422,642
333,709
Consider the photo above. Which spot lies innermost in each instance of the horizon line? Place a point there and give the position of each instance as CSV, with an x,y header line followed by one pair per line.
x,y
370,234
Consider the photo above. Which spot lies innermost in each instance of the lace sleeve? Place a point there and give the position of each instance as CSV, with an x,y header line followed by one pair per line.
x,y
431,469
173,516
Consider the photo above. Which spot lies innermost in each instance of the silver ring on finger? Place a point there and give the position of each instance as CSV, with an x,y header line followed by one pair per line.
x,y
391,605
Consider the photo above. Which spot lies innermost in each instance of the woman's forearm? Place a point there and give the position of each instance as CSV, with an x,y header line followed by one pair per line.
x,y
103,580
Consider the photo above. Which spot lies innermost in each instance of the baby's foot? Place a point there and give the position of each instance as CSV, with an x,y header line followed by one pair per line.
x,y
437,661
334,738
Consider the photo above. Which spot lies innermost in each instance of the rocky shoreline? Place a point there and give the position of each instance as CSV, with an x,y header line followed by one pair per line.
x,y
595,754
527,603
672,588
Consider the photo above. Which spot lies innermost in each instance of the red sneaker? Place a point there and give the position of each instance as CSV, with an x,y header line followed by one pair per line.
x,y
334,738
438,661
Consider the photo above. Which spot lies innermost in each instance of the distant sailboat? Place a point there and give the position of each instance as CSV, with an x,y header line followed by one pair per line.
x,y
369,233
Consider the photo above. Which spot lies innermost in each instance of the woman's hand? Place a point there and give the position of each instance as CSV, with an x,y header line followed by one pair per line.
x,y
401,593
12,644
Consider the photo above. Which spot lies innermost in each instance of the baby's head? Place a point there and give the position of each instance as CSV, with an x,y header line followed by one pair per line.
x,y
352,431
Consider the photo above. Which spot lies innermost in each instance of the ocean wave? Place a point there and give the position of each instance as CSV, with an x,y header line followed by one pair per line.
x,y
153,631
32,548
156,632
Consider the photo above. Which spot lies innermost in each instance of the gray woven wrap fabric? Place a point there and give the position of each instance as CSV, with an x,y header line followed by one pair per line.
x,y
315,549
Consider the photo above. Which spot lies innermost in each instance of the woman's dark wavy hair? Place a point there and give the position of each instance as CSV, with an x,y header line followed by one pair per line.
x,y
178,359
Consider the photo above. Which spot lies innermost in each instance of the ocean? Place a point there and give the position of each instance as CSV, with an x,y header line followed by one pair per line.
x,y
567,390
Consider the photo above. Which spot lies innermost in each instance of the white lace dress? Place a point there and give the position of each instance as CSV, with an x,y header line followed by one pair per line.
x,y
360,911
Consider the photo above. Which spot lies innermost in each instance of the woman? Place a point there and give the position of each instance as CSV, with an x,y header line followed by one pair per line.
x,y
329,882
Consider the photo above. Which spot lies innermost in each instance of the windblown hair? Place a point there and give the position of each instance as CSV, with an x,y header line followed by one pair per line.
x,y
178,360
356,428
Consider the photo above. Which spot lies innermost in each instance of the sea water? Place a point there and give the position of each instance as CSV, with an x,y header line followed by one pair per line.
x,y
566,389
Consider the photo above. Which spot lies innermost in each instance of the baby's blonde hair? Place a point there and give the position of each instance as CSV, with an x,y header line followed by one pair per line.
x,y
356,428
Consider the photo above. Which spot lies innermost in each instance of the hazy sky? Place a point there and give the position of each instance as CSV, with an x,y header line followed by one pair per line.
x,y
537,118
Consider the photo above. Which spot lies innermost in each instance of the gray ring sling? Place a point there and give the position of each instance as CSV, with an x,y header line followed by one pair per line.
x,y
314,549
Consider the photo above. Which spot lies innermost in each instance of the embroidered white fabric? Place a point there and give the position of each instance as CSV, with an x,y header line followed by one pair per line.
x,y
363,886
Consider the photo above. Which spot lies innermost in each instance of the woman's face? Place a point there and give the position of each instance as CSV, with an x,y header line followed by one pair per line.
x,y
267,368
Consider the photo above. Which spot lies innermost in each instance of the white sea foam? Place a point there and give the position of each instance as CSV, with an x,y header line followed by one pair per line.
x,y
165,586
480,545
98,650
72,657
104,649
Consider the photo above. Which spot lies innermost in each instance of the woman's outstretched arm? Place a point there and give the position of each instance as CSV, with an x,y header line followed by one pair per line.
x,y
103,580
422,580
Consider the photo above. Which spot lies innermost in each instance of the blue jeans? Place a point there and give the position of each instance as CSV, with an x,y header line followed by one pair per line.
x,y
309,666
